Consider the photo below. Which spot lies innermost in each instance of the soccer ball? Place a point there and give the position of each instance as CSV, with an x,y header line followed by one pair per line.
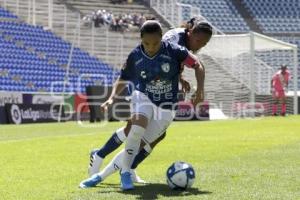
x,y
180,176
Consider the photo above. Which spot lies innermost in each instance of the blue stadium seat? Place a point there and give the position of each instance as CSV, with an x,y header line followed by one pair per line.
x,y
31,62
219,12
6,14
274,16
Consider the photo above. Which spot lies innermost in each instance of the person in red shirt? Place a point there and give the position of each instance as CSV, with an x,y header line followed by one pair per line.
x,y
279,85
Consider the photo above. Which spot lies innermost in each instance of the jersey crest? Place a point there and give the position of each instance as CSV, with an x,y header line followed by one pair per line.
x,y
165,67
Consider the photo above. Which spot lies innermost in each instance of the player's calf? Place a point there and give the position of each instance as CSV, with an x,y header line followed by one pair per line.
x,y
95,162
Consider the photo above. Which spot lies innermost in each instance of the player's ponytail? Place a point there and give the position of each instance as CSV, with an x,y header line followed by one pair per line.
x,y
196,25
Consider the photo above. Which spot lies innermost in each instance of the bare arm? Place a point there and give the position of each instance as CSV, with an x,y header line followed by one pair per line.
x,y
118,87
192,62
200,76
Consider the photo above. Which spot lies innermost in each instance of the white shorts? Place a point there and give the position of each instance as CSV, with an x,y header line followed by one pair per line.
x,y
158,119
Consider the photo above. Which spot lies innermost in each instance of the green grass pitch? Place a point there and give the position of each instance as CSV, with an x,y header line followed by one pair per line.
x,y
236,159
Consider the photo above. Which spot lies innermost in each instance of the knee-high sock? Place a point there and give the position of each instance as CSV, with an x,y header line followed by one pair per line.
x,y
114,165
113,143
132,146
143,153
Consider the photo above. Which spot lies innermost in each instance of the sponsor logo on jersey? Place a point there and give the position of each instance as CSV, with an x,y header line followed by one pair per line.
x,y
139,61
159,87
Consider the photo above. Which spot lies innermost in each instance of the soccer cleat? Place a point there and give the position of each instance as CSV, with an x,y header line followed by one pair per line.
x,y
126,182
135,178
95,163
90,182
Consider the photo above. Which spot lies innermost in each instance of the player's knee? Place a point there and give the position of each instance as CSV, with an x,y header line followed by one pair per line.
x,y
136,132
127,128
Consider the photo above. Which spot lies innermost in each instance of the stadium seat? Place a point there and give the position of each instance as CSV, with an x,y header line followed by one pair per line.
x,y
31,61
273,16
220,10
6,14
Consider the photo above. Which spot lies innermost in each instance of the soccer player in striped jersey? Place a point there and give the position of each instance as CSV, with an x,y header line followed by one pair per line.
x,y
194,36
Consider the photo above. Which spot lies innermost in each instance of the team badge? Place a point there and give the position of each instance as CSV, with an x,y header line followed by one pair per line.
x,y
165,67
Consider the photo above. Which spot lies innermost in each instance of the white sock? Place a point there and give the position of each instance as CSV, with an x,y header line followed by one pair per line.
x,y
132,146
113,166
148,148
121,134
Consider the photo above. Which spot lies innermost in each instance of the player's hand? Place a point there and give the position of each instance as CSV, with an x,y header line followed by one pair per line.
x,y
198,97
186,87
107,104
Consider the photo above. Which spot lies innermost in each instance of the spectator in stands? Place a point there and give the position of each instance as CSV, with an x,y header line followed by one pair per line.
x,y
88,20
142,20
96,19
120,23
279,86
109,18
135,20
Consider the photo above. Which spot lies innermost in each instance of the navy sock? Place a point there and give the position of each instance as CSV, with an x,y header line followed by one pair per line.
x,y
112,144
139,158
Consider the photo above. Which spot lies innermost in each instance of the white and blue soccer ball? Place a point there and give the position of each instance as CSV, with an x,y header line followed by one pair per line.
x,y
180,176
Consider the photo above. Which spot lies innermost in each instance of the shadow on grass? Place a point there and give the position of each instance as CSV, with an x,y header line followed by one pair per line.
x,y
153,190
110,185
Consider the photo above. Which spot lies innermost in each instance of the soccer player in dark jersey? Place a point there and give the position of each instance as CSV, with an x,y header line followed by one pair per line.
x,y
194,36
154,69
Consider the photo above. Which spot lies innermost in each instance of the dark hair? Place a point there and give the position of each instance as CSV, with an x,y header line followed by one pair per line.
x,y
199,26
284,66
151,26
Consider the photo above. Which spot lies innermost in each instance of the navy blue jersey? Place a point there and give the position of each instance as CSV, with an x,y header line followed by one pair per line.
x,y
157,76
177,36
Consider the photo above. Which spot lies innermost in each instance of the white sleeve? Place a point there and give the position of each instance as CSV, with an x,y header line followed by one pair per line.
x,y
171,36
